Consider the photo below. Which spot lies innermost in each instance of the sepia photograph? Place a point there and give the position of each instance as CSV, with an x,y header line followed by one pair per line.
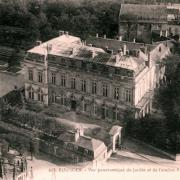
x,y
89,89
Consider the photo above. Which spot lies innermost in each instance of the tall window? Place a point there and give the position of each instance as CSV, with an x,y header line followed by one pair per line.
x,y
128,95
84,105
40,96
105,90
94,87
30,74
105,112
115,114
83,85
63,80
95,108
63,100
53,97
73,83
53,80
40,75
31,93
116,93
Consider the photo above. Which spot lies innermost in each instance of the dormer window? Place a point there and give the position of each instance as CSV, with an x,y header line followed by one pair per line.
x,y
159,49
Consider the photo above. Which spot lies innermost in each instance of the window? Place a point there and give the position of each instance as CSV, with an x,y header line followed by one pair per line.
x,y
53,78
128,96
31,94
40,96
117,71
116,93
105,90
95,109
105,112
94,67
105,69
40,77
63,80
53,97
84,106
116,115
72,64
94,87
73,83
83,85
75,147
30,74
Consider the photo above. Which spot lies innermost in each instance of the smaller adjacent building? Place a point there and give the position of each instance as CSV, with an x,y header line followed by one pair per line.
x,y
74,146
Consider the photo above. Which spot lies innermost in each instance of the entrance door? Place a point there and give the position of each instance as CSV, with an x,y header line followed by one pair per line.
x,y
73,105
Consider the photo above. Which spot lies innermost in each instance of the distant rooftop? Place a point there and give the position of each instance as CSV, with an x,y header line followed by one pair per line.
x,y
143,13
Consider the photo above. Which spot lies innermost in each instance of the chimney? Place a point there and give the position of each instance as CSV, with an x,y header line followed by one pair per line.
x,y
166,33
124,49
97,35
38,43
73,50
105,36
148,62
120,38
93,53
76,135
78,132
161,33
66,33
61,33
106,48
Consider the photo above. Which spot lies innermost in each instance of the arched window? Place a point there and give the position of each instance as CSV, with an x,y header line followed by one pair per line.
x,y
31,93
40,95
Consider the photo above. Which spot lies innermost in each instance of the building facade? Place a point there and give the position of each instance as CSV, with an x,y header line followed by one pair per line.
x,y
98,82
140,21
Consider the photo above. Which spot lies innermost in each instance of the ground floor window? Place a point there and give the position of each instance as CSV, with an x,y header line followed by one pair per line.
x,y
84,106
40,96
105,112
63,100
53,97
95,109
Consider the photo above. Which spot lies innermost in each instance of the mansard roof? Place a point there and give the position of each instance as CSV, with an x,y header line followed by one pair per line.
x,y
143,13
115,44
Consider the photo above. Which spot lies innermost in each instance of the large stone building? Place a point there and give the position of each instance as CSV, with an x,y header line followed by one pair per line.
x,y
95,81
139,21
